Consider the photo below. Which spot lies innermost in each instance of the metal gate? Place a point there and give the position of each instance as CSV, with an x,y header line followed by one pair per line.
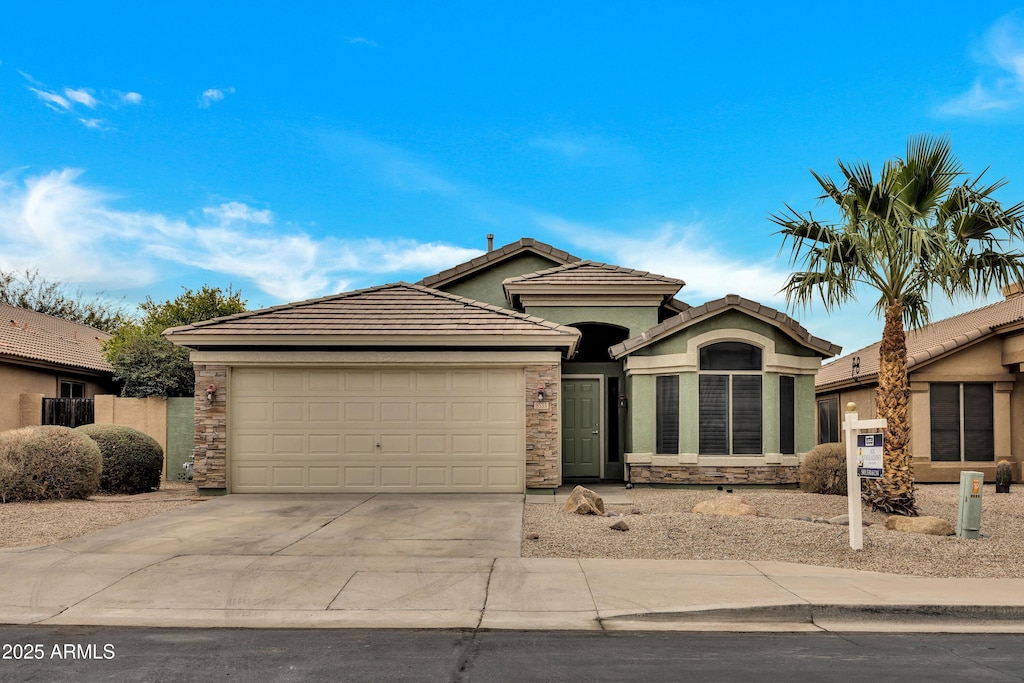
x,y
68,412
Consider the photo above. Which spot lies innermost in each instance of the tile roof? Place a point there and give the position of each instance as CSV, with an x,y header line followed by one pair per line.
x,y
526,244
930,342
402,312
712,308
592,273
45,339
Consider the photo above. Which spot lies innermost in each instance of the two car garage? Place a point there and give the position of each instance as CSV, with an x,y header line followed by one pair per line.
x,y
354,429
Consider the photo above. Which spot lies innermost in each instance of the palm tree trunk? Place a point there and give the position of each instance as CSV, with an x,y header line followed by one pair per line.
x,y
894,492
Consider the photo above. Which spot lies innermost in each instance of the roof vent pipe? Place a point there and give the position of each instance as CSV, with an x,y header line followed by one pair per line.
x,y
490,242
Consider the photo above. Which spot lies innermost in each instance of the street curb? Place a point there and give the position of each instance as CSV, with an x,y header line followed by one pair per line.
x,y
804,613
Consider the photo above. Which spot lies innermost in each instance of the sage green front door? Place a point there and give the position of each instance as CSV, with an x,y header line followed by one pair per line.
x,y
581,431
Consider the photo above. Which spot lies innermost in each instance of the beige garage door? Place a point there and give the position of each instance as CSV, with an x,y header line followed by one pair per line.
x,y
422,430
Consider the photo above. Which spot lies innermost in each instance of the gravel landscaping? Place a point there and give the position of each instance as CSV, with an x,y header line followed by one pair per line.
x,y
661,526
27,524
666,529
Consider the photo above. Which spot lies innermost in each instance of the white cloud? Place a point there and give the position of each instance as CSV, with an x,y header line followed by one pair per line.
x,y
51,98
74,234
92,123
131,98
236,211
359,40
82,96
212,95
1000,86
686,252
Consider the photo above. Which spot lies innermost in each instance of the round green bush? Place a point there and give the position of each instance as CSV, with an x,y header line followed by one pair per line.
x,y
42,463
823,470
132,461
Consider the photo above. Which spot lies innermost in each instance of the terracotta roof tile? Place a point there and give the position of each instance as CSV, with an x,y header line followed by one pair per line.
x,y
526,244
697,313
592,273
44,338
930,342
395,310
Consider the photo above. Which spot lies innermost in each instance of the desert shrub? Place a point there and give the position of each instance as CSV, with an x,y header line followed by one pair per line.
x,y
41,463
824,470
132,461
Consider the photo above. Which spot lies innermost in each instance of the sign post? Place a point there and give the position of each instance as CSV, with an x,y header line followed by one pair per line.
x,y
863,459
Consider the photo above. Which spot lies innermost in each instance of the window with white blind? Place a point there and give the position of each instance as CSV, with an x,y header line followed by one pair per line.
x,y
961,422
729,397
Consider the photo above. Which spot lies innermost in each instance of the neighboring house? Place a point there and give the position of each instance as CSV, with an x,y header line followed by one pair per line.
x,y
519,370
47,356
966,400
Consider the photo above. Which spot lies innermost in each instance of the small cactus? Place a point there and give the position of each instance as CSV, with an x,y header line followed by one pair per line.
x,y
1004,473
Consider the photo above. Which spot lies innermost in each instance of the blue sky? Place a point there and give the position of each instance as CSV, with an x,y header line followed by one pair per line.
x,y
298,149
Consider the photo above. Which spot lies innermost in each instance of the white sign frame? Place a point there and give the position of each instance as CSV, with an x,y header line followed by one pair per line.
x,y
852,425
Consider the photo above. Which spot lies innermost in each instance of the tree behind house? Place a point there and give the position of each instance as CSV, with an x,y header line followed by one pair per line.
x,y
146,362
30,291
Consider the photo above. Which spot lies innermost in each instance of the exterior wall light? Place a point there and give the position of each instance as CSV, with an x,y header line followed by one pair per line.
x,y
622,400
540,392
211,390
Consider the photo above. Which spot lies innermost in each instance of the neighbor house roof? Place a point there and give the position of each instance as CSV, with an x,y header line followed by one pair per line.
x,y
592,279
43,339
693,315
524,245
930,342
399,314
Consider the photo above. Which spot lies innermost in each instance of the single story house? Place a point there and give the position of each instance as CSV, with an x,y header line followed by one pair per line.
x,y
519,370
966,400
44,356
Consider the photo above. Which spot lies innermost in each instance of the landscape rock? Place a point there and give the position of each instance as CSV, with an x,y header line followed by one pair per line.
x,y
840,520
583,501
533,537
620,526
727,505
934,526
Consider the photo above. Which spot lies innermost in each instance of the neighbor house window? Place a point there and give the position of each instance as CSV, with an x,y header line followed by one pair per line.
x,y
828,420
729,399
667,408
961,422
69,389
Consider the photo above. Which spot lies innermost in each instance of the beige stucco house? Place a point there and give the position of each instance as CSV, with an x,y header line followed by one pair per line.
x,y
966,397
519,370
43,356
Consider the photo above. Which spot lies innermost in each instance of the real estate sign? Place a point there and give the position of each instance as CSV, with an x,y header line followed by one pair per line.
x,y
869,456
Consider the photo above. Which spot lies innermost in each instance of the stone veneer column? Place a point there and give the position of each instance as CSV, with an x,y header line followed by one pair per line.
x,y
543,450
211,428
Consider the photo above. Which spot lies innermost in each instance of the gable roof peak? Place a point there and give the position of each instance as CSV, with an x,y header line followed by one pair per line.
x,y
523,245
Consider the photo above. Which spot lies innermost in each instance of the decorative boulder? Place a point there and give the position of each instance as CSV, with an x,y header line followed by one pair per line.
x,y
934,526
583,501
730,506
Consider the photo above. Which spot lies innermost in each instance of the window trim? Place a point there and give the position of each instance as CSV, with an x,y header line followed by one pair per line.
x,y
962,424
833,401
730,402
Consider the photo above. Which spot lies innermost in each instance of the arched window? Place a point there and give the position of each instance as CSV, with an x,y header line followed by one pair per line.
x,y
729,393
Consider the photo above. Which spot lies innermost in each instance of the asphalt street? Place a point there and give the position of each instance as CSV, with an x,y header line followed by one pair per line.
x,y
33,653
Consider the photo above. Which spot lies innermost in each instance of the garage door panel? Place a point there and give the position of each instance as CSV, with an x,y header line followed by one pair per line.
x,y
396,411
324,412
331,429
324,477
360,411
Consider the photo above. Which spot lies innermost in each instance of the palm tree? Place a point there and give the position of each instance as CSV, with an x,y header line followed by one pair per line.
x,y
919,228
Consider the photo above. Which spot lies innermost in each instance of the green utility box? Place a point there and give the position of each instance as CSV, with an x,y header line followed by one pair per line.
x,y
968,521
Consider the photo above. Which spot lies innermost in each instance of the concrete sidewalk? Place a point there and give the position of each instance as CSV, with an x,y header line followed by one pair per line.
x,y
243,562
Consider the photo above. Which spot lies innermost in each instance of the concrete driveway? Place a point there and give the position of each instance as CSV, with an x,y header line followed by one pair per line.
x,y
329,525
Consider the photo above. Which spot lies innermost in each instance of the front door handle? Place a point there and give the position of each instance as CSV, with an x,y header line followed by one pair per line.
x,y
596,431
